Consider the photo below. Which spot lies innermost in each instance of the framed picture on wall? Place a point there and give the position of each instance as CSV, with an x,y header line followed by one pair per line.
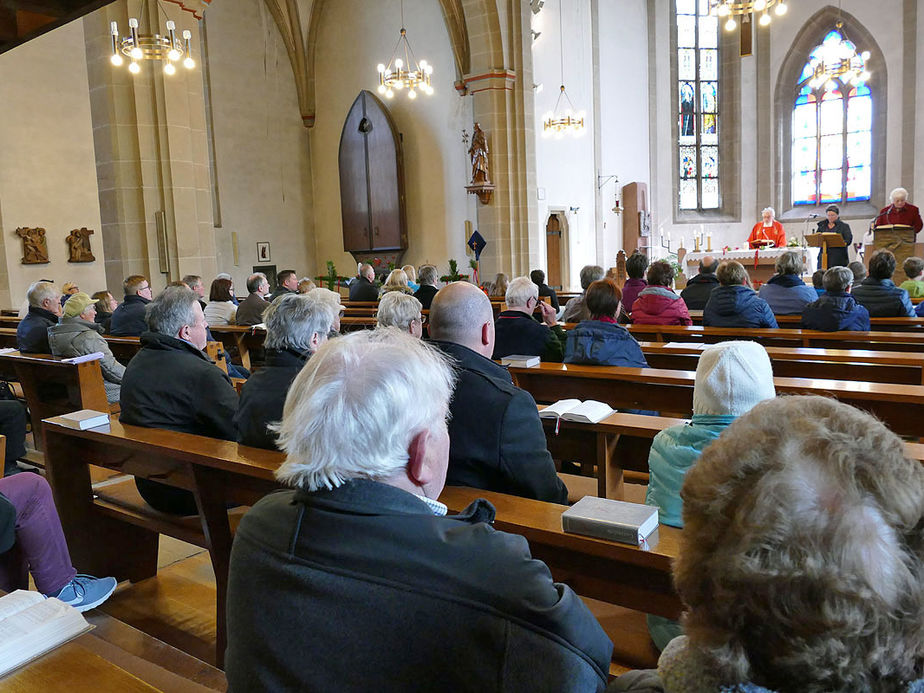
x,y
270,272
263,252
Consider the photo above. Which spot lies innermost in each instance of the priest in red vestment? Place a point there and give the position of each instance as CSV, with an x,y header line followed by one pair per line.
x,y
900,212
768,229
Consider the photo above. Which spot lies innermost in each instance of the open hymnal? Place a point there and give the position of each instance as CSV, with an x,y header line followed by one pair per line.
x,y
81,420
520,361
31,625
628,523
589,411
83,358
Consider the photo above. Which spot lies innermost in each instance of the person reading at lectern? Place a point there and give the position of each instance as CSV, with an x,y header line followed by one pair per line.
x,y
900,212
837,257
768,232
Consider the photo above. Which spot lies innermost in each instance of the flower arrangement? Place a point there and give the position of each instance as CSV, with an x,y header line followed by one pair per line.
x,y
453,275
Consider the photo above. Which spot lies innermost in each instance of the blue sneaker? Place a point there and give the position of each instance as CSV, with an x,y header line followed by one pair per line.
x,y
86,592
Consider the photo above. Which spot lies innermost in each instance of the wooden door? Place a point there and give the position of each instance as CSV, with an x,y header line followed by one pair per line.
x,y
354,188
553,251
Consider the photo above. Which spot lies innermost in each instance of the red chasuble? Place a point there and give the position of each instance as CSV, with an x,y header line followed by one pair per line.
x,y
773,233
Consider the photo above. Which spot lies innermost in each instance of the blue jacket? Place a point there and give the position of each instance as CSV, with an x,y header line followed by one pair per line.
x,y
787,294
883,299
32,332
919,311
128,318
835,312
737,306
603,344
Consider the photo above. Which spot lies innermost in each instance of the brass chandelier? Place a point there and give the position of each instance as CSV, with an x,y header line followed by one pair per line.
x,y
137,46
736,8
404,73
560,122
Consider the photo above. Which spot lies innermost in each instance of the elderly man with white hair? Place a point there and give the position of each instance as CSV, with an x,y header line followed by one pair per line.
x,y
356,580
767,232
498,443
332,300
296,325
900,212
516,331
44,310
401,311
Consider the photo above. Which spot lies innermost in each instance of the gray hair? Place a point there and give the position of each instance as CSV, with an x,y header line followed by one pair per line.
x,y
590,274
519,291
801,556
193,280
428,275
398,310
255,281
293,319
837,279
333,428
327,297
222,275
789,263
898,193
173,308
40,291
768,209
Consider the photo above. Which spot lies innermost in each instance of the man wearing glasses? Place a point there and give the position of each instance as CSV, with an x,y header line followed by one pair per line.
x,y
516,331
128,318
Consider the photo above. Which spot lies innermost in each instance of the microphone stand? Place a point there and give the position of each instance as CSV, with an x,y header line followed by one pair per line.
x,y
804,229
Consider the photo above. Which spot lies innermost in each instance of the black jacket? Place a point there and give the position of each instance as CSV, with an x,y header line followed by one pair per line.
x,y
250,311
425,295
32,331
834,312
546,290
737,306
280,291
698,290
883,299
361,289
264,395
171,384
104,319
837,257
496,440
128,318
515,332
363,588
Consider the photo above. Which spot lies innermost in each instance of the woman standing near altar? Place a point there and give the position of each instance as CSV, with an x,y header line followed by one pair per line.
x,y
768,229
837,257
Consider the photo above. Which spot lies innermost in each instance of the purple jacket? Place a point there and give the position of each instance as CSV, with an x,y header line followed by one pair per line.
x,y
630,292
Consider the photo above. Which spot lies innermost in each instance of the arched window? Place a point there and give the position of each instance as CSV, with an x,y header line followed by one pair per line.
x,y
831,155
698,90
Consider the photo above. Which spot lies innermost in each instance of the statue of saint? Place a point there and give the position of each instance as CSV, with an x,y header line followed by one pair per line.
x,y
34,246
78,243
479,153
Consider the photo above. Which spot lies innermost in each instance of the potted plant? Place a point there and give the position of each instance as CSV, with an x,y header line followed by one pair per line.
x,y
453,275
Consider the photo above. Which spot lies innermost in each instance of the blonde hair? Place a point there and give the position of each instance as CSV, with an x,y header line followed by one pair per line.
x,y
410,272
396,281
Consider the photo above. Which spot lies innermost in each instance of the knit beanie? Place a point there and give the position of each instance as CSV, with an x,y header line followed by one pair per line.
x,y
731,378
76,304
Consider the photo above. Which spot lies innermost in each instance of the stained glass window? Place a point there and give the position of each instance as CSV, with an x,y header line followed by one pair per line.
x,y
831,139
698,91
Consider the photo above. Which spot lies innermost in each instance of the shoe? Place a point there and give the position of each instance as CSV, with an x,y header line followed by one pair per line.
x,y
86,592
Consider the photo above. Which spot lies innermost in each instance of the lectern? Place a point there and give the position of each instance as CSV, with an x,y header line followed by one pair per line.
x,y
899,238
824,241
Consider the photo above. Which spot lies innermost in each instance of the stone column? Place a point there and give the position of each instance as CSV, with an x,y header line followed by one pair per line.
x,y
151,156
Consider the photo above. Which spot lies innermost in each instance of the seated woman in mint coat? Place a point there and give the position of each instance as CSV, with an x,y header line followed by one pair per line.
x,y
731,378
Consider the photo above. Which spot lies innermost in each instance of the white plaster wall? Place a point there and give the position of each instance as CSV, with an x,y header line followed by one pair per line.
x,y
354,37
565,167
261,146
47,161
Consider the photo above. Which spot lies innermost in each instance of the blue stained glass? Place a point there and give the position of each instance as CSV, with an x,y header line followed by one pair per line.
x,y
859,113
688,162
803,188
804,120
832,151
859,152
805,154
831,116
831,184
862,90
858,183
708,91
807,72
710,160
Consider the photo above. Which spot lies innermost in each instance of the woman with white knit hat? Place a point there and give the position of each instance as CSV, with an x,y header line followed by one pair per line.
x,y
731,378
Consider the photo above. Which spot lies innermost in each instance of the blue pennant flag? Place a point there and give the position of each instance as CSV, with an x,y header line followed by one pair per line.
x,y
477,243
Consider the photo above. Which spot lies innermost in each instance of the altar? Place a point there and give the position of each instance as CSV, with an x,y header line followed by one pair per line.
x,y
760,264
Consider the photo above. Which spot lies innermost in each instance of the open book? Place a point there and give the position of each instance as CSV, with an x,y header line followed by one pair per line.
x,y
589,411
31,625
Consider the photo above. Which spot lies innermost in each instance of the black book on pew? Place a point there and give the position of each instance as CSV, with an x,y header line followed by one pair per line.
x,y
627,523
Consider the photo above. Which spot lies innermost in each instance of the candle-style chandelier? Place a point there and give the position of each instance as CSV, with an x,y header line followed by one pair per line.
x,y
404,73
137,46
736,8
560,122
837,58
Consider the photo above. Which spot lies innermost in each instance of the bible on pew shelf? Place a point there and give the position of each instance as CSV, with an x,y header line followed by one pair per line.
x,y
81,420
520,361
589,411
627,523
31,625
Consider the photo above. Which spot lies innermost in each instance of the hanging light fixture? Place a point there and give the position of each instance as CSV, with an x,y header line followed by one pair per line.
x,y
837,58
137,46
558,122
730,9
404,73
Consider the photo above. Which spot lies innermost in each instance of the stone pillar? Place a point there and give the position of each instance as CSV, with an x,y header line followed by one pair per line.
x,y
151,156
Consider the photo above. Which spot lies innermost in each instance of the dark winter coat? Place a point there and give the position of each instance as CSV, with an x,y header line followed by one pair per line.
x,y
515,332
425,295
32,331
128,318
787,294
263,397
837,257
251,309
737,306
834,312
883,299
361,289
603,344
698,290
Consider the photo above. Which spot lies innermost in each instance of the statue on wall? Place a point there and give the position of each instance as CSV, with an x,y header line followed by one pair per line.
x,y
78,243
34,246
481,180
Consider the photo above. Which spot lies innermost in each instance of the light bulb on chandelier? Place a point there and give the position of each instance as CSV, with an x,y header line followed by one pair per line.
x,y
151,46
407,72
733,8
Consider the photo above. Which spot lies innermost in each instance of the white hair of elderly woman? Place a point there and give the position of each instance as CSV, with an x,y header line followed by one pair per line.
x,y
898,194
519,291
398,310
768,209
355,407
292,320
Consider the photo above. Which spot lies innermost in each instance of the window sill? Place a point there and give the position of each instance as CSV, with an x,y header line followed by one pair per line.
x,y
849,211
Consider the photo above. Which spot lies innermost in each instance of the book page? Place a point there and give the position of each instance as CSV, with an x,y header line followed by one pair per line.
x,y
590,411
14,602
554,411
37,629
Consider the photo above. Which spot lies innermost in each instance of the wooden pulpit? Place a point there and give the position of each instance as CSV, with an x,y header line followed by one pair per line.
x,y
824,241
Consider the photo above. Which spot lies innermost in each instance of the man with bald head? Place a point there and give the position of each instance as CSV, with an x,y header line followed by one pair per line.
x,y
496,441
363,287
699,287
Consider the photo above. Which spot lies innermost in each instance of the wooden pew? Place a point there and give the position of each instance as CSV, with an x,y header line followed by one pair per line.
x,y
901,407
8,338
894,324
802,362
239,339
9,321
